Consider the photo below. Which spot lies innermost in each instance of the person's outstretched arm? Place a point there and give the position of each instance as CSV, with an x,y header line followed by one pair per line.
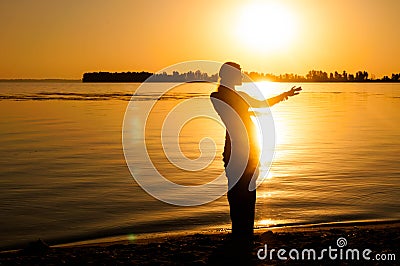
x,y
284,96
271,101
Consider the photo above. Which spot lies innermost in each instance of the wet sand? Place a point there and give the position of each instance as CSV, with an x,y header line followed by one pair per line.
x,y
217,248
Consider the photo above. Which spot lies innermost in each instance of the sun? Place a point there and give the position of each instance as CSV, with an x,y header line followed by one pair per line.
x,y
266,26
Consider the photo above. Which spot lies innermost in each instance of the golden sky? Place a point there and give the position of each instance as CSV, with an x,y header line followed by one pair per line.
x,y
64,39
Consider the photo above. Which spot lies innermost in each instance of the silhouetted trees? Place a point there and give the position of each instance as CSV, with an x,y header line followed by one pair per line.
x,y
198,76
321,76
256,76
317,76
151,77
116,77
360,76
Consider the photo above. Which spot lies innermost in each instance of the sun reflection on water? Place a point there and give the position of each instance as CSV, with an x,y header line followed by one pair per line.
x,y
266,222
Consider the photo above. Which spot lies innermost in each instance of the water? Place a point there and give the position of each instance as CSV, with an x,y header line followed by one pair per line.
x,y
63,174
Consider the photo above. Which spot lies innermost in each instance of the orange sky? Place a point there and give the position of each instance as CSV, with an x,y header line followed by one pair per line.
x,y
64,39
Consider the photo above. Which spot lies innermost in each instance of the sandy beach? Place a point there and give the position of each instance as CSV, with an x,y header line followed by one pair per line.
x,y
216,248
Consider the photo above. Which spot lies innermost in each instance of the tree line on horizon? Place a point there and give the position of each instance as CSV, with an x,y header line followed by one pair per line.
x,y
198,76
151,77
321,76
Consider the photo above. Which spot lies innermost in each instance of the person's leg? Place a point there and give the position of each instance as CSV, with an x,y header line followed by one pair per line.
x,y
242,209
241,202
235,207
250,212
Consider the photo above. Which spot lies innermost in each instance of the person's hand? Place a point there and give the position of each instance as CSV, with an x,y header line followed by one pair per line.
x,y
293,91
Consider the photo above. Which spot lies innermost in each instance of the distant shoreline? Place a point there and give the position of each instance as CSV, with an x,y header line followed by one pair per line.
x,y
80,81
40,80
199,76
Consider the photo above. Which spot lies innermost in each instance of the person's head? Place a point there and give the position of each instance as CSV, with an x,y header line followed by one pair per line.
x,y
230,75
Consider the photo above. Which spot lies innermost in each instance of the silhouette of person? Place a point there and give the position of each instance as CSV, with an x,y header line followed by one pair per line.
x,y
241,152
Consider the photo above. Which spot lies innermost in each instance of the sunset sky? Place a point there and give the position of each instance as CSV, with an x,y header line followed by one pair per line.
x,y
64,39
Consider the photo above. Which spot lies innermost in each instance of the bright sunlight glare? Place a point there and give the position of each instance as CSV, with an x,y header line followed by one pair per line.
x,y
266,26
